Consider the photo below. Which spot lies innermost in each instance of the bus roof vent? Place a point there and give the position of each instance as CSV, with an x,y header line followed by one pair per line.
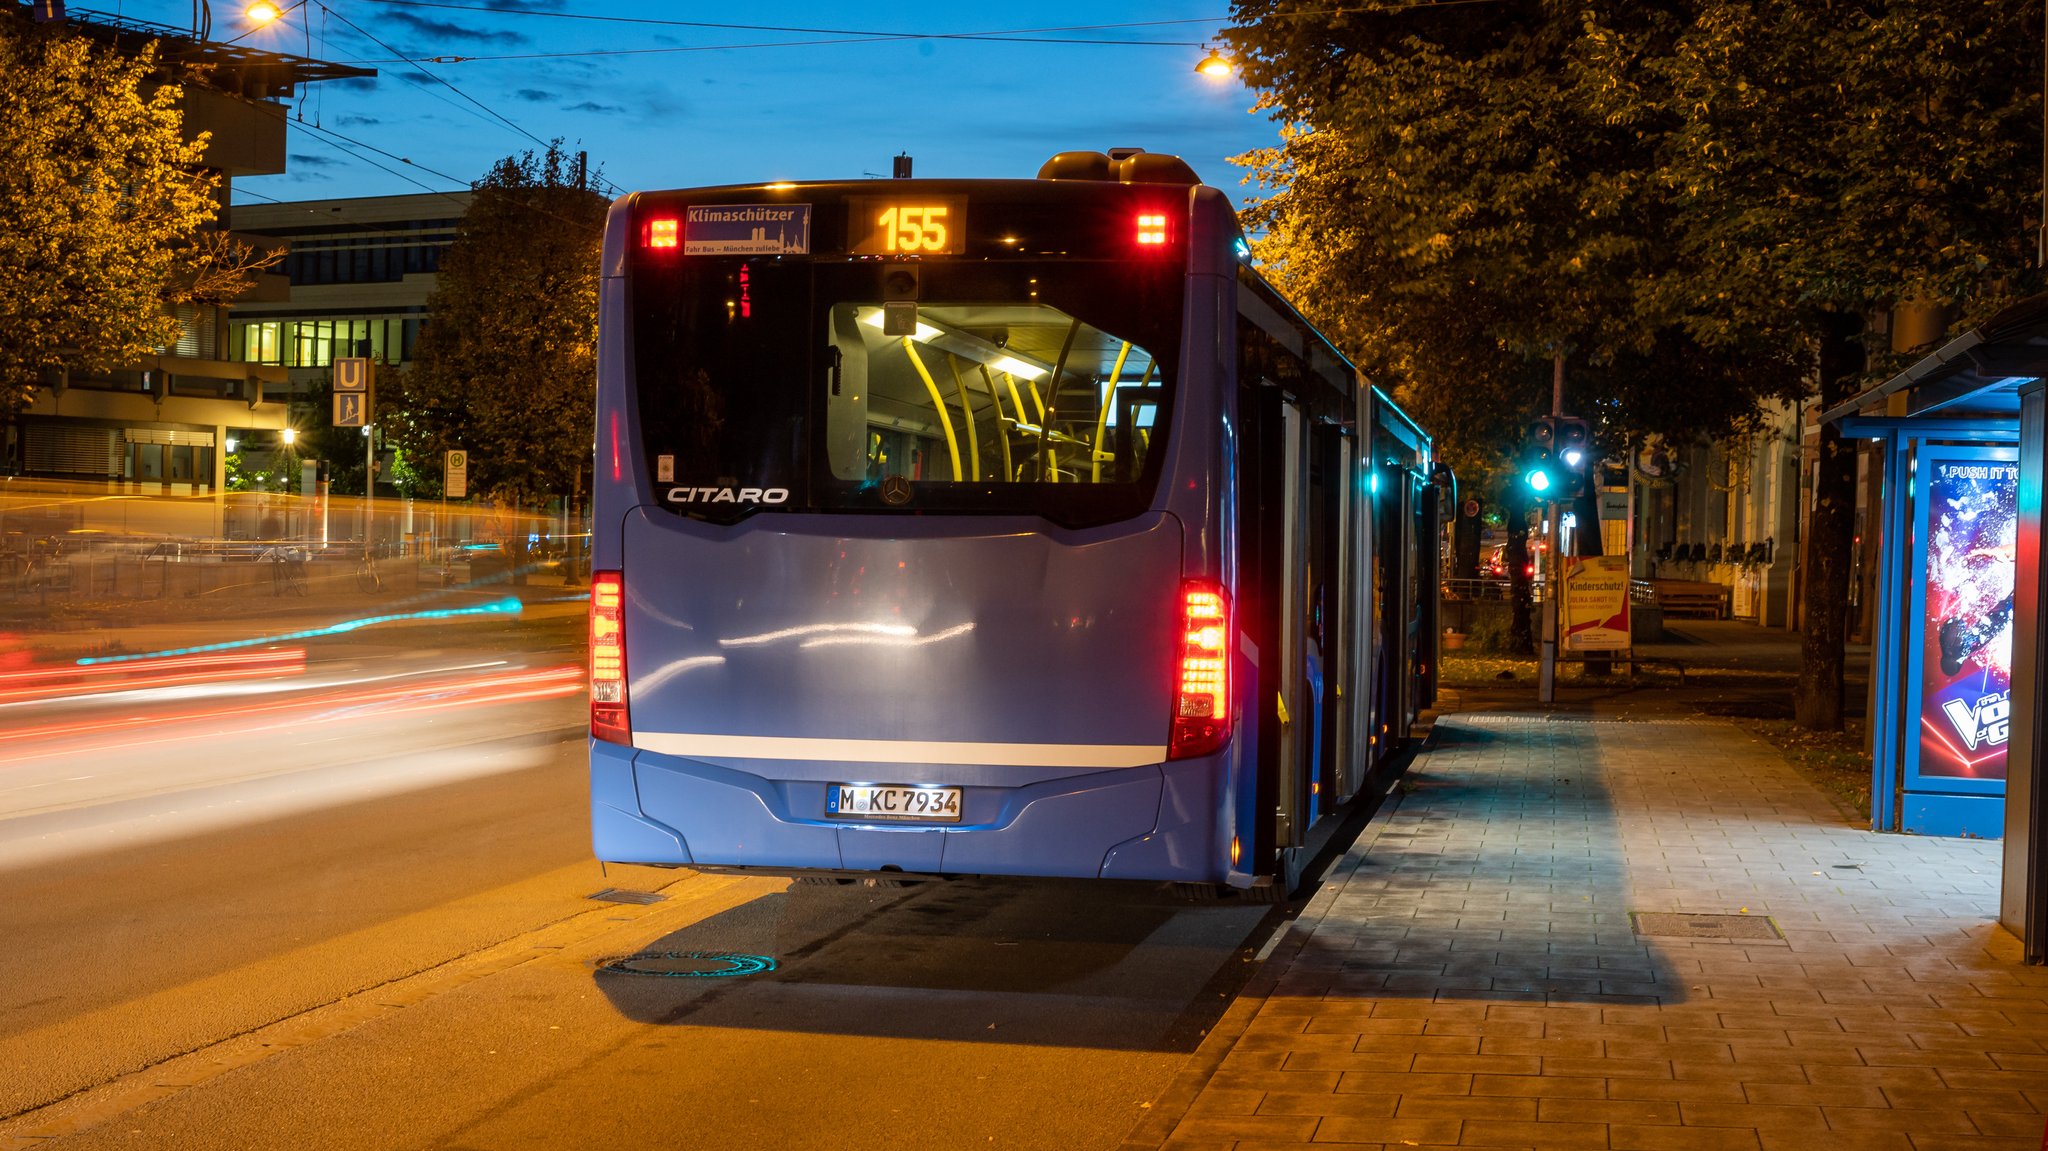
x,y
1076,166
1155,168
1123,165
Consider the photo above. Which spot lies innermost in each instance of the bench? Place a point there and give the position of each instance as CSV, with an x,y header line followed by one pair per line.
x,y
1690,599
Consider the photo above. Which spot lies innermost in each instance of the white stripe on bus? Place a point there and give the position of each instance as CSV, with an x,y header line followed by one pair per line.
x,y
902,750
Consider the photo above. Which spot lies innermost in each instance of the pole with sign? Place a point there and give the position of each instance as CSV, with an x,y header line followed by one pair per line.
x,y
455,474
354,391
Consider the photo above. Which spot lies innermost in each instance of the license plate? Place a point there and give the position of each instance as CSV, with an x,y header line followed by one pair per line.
x,y
868,801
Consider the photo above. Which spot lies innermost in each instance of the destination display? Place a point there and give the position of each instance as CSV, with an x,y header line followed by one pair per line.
x,y
906,226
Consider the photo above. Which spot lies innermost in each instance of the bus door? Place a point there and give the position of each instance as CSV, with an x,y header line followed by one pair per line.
x,y
1272,598
1326,610
1296,705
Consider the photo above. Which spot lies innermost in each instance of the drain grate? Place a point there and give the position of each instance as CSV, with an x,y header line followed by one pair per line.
x,y
614,895
1672,925
687,964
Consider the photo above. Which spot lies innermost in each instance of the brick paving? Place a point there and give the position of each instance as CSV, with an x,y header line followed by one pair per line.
x,y
1469,974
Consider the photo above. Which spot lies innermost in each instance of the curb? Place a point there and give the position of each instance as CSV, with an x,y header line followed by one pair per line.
x,y
1158,1125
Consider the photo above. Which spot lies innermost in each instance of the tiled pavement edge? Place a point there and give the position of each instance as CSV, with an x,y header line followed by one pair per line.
x,y
1468,975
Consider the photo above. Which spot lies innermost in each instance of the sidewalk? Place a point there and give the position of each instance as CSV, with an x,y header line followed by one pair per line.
x,y
1569,931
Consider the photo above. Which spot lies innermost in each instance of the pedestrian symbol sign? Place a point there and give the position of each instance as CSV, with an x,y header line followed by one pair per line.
x,y
350,409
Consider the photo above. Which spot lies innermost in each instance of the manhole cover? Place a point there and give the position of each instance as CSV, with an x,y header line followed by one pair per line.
x,y
614,895
686,964
1671,925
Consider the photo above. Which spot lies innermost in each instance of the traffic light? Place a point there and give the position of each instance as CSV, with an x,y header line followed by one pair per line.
x,y
1572,446
1537,463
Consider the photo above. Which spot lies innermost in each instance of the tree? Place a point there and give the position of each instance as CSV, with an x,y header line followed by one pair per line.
x,y
1715,194
1829,162
1464,197
107,210
1465,200
506,364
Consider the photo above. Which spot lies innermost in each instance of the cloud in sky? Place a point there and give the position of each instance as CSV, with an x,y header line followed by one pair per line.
x,y
595,108
300,161
432,29
536,95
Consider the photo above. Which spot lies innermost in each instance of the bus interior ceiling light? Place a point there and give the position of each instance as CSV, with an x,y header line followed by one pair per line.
x,y
967,347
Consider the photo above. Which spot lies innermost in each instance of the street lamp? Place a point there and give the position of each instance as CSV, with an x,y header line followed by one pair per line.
x,y
262,12
1216,66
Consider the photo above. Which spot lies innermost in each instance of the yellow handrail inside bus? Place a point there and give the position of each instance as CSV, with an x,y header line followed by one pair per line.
x,y
1002,433
966,419
1052,459
1102,415
1017,402
938,405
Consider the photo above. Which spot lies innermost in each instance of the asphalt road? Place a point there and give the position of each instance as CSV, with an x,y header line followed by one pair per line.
x,y
289,918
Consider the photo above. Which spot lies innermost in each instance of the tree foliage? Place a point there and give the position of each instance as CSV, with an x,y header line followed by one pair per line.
x,y
106,209
505,368
1464,196
1699,205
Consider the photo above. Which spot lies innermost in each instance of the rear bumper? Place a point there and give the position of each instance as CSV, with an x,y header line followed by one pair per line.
x,y
1158,822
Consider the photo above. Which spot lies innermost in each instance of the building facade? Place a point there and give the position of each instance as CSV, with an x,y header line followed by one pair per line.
x,y
161,425
358,276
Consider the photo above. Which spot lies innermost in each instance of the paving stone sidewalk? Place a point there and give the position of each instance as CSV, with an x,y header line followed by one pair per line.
x,y
1478,971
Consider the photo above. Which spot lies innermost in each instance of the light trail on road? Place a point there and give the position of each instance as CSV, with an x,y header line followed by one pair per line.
x,y
70,681
411,695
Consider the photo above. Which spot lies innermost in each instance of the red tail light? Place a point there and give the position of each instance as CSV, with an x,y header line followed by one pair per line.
x,y
1151,229
662,232
1201,691
608,720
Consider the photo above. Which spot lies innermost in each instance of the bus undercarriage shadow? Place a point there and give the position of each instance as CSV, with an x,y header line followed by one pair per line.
x,y
1072,963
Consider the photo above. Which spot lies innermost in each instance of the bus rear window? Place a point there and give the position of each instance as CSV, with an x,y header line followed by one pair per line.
x,y
1036,388
995,393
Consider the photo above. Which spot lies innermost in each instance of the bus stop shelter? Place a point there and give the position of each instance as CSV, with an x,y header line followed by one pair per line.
x,y
1957,666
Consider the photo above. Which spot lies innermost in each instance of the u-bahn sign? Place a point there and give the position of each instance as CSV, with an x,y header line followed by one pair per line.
x,y
353,390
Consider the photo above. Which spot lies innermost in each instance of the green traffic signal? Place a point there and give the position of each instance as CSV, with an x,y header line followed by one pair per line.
x,y
1538,479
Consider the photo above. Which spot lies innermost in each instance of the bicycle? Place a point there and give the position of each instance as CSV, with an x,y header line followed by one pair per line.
x,y
367,577
287,571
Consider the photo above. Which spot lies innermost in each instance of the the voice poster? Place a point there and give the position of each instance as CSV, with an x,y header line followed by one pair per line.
x,y
1962,613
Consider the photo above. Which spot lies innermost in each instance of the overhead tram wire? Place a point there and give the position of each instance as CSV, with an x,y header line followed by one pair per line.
x,y
336,139
401,57
854,36
423,71
999,34
493,112
1020,35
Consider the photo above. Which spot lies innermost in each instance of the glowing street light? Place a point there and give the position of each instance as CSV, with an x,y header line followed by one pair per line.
x,y
1216,66
262,12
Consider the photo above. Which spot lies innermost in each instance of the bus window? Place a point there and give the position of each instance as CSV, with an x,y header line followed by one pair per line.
x,y
1027,388
988,394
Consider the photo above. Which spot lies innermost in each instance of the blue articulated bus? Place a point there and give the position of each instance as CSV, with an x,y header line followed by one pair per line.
x,y
989,527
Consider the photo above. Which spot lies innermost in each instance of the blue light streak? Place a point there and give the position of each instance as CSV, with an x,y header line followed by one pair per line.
x,y
510,605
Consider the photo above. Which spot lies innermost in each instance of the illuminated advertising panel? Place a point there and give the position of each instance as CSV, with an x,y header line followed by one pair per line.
x,y
1966,525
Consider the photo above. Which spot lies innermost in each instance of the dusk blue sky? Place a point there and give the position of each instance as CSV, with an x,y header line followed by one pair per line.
x,y
657,112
